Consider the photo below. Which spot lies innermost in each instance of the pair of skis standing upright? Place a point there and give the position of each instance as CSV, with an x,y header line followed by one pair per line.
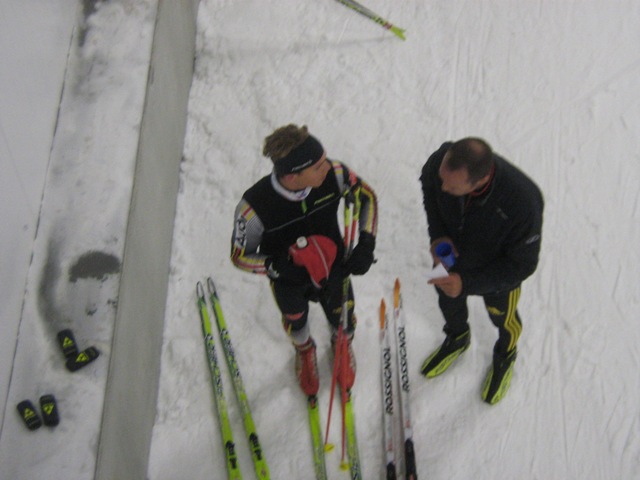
x,y
386,356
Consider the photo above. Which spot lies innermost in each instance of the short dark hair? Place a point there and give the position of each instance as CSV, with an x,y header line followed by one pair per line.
x,y
473,154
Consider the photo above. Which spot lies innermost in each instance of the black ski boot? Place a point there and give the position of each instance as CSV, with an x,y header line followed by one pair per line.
x,y
452,347
498,380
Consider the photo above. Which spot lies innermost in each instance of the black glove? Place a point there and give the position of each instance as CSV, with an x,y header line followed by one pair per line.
x,y
361,258
280,267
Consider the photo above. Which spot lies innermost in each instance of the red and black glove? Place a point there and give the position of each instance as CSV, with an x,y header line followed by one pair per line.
x,y
316,253
361,258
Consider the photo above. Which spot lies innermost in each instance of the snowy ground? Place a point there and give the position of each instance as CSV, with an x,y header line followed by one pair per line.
x,y
553,85
80,218
31,41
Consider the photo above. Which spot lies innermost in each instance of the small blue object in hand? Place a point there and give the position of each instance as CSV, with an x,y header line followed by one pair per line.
x,y
445,254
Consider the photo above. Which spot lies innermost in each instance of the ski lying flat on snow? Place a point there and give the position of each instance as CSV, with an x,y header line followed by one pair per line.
x,y
259,462
401,350
387,394
319,465
362,10
233,469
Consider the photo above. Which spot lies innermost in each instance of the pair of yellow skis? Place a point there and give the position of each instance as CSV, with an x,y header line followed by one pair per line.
x,y
233,467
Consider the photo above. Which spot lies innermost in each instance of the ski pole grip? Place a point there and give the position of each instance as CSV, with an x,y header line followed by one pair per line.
x,y
301,242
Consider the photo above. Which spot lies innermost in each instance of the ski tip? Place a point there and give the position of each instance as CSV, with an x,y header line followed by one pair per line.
x,y
328,447
399,32
211,286
199,290
396,294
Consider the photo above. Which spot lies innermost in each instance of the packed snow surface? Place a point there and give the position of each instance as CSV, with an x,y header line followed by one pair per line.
x,y
553,86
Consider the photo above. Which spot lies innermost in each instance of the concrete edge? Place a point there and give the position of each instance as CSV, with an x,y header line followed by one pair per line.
x,y
134,368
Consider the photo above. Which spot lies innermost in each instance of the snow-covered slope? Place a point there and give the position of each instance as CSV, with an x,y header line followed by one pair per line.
x,y
552,86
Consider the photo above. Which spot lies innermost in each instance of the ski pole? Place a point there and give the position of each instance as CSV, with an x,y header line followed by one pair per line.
x,y
350,224
349,227
361,9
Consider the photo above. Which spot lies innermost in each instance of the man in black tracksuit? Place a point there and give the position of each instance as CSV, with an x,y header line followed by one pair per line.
x,y
490,213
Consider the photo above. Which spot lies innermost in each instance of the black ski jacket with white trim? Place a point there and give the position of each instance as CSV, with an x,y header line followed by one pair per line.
x,y
497,234
267,222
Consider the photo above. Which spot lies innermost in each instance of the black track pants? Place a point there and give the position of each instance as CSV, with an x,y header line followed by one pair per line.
x,y
294,299
502,310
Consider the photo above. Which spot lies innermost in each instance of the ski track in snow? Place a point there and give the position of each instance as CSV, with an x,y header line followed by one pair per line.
x,y
553,86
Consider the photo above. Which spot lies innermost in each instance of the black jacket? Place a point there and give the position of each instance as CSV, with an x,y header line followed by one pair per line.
x,y
497,234
267,223
284,221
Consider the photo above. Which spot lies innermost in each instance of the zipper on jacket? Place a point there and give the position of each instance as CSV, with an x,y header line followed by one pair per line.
x,y
463,212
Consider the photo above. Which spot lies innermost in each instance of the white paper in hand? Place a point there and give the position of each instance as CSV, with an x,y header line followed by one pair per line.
x,y
438,272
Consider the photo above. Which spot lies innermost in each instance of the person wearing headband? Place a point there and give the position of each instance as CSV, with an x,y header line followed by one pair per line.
x,y
286,227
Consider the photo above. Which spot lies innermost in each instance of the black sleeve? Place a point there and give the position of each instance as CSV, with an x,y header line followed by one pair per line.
x,y
431,184
520,259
